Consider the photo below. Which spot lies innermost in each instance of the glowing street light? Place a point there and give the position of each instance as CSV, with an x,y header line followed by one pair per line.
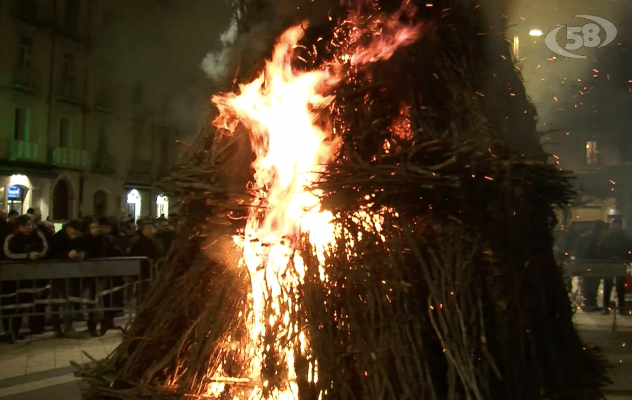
x,y
535,32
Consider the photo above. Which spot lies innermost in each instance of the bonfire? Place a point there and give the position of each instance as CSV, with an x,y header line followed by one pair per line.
x,y
360,222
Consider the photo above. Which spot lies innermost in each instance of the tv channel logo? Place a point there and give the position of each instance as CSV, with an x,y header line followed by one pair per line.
x,y
586,36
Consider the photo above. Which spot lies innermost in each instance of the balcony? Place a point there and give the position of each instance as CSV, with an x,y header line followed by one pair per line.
x,y
140,169
104,164
103,103
70,158
21,150
25,81
67,94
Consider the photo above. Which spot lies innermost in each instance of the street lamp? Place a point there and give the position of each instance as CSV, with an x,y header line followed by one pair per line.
x,y
535,32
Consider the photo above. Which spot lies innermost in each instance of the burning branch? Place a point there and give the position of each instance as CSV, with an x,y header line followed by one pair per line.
x,y
363,230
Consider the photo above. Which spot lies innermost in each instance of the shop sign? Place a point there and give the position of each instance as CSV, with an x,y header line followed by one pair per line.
x,y
14,193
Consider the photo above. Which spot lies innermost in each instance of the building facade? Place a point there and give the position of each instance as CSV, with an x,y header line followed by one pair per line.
x,y
71,143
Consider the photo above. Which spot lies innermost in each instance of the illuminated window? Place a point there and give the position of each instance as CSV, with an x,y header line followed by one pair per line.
x,y
592,154
162,206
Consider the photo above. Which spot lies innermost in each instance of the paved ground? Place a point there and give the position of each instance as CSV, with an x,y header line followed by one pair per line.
x,y
45,353
39,368
596,330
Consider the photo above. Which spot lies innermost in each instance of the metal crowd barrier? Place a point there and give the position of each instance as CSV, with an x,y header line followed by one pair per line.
x,y
602,269
64,288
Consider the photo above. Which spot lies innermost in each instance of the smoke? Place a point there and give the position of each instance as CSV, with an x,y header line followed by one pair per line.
x,y
229,36
216,64
576,94
266,24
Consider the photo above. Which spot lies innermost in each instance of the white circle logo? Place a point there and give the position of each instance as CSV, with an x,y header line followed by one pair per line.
x,y
581,36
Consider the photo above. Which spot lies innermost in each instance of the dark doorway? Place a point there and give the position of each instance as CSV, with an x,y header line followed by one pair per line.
x,y
100,203
61,201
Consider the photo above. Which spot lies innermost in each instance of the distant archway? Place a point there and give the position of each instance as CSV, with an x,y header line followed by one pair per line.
x,y
100,203
162,206
133,204
61,200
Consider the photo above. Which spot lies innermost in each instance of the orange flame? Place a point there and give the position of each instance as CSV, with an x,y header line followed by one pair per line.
x,y
279,108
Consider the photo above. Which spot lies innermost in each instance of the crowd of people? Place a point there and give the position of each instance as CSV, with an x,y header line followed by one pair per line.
x,y
27,238
601,241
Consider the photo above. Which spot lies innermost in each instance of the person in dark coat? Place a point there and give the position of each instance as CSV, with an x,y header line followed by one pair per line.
x,y
12,216
617,246
94,245
25,244
146,246
130,232
11,325
164,234
117,243
6,228
4,223
110,230
591,248
48,230
65,246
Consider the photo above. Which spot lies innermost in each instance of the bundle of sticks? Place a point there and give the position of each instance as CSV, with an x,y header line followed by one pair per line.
x,y
441,283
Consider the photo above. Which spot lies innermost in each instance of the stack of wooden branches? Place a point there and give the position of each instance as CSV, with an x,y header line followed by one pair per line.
x,y
442,282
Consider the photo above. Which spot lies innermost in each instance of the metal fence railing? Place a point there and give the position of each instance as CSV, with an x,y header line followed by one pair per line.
x,y
60,289
600,269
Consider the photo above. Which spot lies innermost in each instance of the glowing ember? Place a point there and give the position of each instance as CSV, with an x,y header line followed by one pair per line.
x,y
279,109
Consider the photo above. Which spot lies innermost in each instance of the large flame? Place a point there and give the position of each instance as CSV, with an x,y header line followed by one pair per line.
x,y
280,109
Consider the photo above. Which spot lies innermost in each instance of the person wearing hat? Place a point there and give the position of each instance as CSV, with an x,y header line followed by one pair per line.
x,y
617,245
146,244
